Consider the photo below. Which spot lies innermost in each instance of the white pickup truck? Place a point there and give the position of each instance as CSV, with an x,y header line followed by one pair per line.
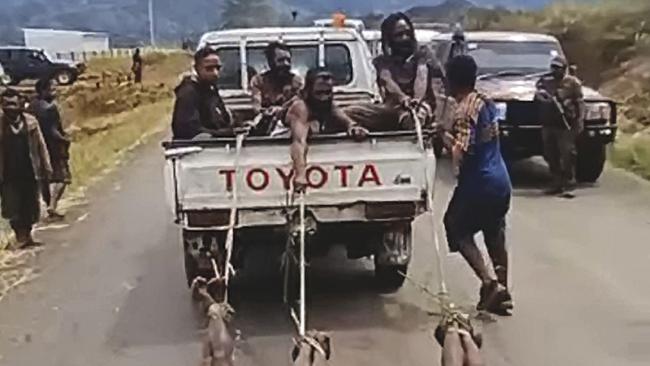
x,y
362,195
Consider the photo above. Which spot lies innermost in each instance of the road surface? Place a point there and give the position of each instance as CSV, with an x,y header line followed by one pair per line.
x,y
111,289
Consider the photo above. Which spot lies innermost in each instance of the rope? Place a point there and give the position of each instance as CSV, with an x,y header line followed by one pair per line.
x,y
228,268
430,189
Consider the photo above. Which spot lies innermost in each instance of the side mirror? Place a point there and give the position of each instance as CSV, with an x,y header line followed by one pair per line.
x,y
573,69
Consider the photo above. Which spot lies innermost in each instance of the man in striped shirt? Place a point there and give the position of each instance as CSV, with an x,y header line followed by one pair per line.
x,y
481,199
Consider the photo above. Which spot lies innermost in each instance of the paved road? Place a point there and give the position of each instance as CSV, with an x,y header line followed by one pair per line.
x,y
112,291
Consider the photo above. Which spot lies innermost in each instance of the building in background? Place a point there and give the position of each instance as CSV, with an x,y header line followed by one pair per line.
x,y
63,42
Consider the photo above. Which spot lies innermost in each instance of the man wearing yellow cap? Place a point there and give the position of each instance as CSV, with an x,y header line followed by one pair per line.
x,y
561,106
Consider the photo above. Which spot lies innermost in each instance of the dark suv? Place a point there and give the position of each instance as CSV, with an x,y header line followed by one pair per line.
x,y
23,63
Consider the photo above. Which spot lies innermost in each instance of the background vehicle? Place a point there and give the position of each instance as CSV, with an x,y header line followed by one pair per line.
x,y
22,63
510,64
363,196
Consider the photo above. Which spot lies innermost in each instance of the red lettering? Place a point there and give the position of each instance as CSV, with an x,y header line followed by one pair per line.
x,y
230,178
344,169
259,186
369,175
286,177
323,177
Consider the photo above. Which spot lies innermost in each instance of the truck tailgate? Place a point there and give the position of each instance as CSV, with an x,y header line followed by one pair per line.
x,y
384,168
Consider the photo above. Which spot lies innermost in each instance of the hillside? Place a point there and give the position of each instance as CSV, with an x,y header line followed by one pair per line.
x,y
127,20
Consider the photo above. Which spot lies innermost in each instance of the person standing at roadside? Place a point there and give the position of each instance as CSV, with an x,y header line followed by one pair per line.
x,y
24,163
137,66
562,109
46,111
481,199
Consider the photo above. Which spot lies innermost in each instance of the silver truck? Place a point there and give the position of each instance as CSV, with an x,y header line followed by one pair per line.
x,y
361,195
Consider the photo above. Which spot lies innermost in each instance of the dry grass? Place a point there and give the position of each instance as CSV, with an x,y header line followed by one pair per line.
x,y
632,153
103,151
106,88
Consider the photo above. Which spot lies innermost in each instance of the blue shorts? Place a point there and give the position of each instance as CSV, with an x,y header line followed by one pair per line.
x,y
466,216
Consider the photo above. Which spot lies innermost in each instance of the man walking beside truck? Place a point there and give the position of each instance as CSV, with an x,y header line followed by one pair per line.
x,y
481,198
562,111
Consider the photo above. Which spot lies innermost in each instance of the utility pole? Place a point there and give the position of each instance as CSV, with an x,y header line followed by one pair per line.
x,y
152,36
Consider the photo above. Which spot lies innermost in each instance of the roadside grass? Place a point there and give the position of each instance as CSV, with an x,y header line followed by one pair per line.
x,y
103,151
632,152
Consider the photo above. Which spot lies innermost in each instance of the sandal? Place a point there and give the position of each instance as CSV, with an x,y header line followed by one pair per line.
x,y
495,299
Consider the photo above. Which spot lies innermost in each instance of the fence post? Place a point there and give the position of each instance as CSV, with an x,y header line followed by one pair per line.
x,y
72,57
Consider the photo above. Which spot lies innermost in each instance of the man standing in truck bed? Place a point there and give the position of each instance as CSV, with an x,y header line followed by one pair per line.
x,y
274,90
561,112
404,74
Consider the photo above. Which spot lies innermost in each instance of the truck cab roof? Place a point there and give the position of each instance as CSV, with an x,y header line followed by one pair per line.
x,y
288,34
499,36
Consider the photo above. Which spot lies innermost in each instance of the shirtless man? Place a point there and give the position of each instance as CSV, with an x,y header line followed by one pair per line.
x,y
404,74
313,113
274,90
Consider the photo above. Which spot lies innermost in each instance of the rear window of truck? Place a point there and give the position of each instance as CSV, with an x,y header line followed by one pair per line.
x,y
337,59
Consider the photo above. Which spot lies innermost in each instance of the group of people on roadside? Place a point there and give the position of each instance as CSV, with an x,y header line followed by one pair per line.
x,y
405,71
34,155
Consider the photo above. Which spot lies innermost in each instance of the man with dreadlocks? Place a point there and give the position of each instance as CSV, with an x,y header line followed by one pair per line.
x,y
404,74
314,113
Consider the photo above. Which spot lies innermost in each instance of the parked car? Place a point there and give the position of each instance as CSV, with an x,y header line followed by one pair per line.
x,y
24,63
509,65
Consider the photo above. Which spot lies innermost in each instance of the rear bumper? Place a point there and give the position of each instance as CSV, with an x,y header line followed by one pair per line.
x,y
362,212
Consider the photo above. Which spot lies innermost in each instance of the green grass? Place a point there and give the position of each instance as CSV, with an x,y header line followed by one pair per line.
x,y
632,152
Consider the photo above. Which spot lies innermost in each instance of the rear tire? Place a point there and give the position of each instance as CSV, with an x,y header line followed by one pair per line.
x,y
590,161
